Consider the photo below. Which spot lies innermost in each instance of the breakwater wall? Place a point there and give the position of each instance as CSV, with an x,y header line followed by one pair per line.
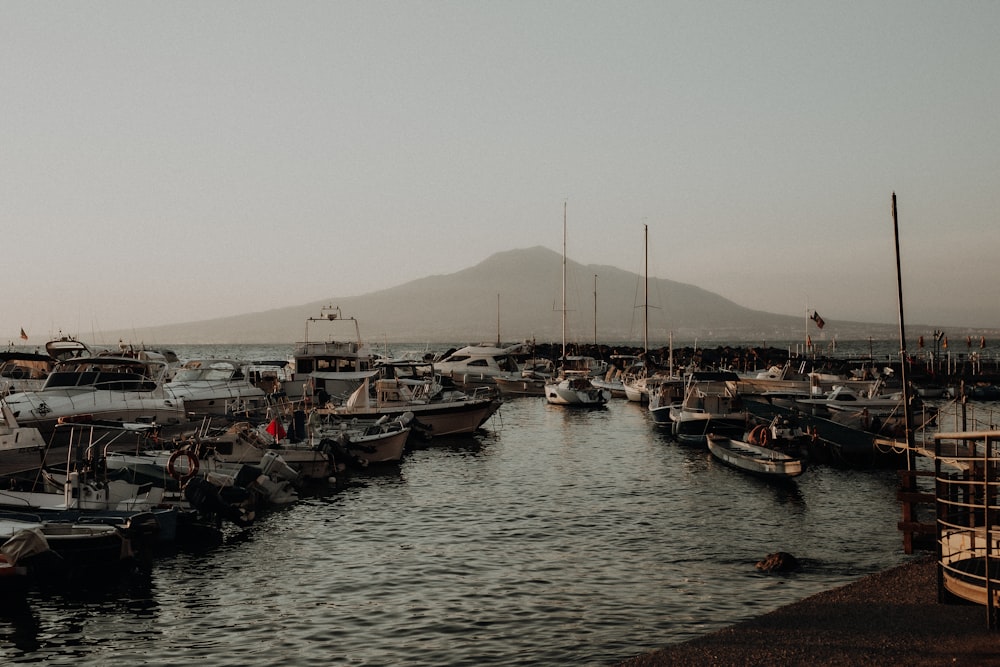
x,y
946,369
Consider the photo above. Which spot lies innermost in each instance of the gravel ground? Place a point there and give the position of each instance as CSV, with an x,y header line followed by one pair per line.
x,y
889,618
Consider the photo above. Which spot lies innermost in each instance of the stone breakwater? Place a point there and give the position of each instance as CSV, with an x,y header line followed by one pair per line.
x,y
965,367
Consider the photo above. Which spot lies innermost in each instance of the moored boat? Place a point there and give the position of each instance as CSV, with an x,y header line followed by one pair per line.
x,y
709,406
474,366
215,387
329,370
113,387
407,386
759,460
575,390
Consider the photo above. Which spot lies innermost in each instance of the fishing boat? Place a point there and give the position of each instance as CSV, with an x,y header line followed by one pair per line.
x,y
756,459
709,406
329,370
47,548
663,393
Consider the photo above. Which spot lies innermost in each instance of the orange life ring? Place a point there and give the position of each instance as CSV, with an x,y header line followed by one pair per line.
x,y
765,436
192,465
754,438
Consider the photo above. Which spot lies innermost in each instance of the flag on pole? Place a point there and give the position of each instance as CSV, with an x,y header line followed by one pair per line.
x,y
276,429
817,319
24,336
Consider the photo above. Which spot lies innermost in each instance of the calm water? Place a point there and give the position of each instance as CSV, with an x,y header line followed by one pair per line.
x,y
553,537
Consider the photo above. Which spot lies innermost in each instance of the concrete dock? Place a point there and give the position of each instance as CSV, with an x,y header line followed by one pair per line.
x,y
889,618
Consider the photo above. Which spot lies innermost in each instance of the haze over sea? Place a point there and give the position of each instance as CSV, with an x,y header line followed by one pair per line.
x,y
551,537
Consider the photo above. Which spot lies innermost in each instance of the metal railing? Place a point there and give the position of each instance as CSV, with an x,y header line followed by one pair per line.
x,y
967,481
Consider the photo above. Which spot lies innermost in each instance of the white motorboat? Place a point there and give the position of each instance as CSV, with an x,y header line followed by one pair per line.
x,y
476,365
215,387
846,398
576,390
366,442
413,386
786,378
329,370
108,387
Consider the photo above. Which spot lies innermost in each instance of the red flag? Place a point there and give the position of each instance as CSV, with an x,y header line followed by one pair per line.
x,y
920,341
809,341
817,319
276,429
982,342
24,336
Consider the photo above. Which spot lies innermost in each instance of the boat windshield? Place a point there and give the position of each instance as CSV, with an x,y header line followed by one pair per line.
x,y
204,375
107,380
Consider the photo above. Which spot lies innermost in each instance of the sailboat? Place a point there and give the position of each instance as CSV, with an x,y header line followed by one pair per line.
x,y
572,387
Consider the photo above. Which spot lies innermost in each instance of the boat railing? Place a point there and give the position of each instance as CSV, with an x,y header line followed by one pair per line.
x,y
967,499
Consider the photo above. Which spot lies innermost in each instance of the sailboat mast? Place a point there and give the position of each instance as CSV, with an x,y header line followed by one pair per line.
x,y
498,319
645,289
564,286
595,310
907,409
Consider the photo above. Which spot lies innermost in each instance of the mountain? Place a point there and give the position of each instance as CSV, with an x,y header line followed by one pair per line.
x,y
518,292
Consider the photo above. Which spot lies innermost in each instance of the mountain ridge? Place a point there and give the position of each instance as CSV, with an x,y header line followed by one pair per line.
x,y
516,295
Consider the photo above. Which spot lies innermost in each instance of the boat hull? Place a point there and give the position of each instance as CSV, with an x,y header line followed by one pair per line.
x,y
430,419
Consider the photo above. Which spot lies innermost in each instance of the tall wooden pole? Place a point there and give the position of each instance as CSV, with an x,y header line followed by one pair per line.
x,y
907,410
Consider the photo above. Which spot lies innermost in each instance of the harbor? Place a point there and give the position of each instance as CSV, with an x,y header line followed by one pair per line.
x,y
549,535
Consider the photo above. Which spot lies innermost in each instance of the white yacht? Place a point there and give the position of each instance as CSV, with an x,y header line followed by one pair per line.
x,y
115,387
477,365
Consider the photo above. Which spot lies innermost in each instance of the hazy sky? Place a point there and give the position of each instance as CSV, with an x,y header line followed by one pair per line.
x,y
176,161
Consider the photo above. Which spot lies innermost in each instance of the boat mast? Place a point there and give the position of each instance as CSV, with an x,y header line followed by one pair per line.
x,y
907,409
645,289
498,319
595,310
564,287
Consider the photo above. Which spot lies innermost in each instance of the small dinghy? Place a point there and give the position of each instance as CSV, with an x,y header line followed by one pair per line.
x,y
758,459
